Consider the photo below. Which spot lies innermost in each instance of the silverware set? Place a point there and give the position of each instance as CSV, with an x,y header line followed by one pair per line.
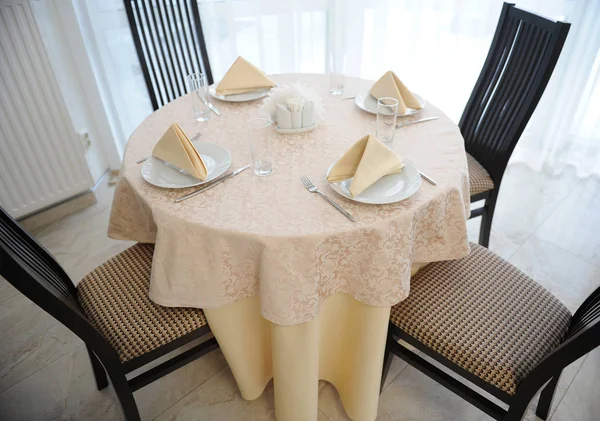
x,y
212,183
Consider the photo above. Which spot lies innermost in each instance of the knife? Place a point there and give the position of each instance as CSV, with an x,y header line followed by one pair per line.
x,y
427,178
415,122
215,182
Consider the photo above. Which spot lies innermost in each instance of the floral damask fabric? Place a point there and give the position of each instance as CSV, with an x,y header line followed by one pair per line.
x,y
269,237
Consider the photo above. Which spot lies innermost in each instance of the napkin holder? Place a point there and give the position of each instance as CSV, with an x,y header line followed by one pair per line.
x,y
295,109
295,121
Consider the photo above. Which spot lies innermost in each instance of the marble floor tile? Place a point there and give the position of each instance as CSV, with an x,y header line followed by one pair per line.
x,y
566,378
500,243
522,206
79,242
414,396
398,365
219,399
160,395
330,404
580,402
29,339
70,392
6,290
528,197
62,390
575,225
329,401
570,278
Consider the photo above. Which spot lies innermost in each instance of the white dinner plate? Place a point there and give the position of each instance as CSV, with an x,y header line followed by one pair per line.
x,y
367,102
160,174
388,189
246,96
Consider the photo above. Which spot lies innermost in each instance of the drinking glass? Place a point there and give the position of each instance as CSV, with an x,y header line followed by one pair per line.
x,y
387,108
198,87
337,70
259,134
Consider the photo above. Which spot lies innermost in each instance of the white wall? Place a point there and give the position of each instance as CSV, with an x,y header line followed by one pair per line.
x,y
64,41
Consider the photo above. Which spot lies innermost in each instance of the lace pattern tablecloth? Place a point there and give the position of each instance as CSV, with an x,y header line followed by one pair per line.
x,y
268,236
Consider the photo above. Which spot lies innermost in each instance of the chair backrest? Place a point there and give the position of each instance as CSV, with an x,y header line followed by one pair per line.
x,y
582,337
523,54
30,268
170,45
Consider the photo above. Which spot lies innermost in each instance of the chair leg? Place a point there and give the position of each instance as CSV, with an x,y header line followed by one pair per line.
x,y
387,363
125,395
545,402
99,373
486,219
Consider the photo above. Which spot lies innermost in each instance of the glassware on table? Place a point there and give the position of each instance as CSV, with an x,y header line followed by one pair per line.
x,y
387,108
337,71
198,87
259,135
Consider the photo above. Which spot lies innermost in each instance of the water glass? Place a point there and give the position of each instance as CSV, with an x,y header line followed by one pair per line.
x,y
259,134
387,108
337,71
198,87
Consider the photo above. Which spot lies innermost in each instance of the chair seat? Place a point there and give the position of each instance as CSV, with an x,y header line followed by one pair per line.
x,y
114,297
484,315
479,179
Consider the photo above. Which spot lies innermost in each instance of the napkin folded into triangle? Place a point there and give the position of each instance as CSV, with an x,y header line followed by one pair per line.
x,y
242,77
367,161
176,148
390,85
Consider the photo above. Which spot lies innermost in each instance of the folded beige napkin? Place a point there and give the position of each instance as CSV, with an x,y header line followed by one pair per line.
x,y
176,148
241,77
390,85
367,161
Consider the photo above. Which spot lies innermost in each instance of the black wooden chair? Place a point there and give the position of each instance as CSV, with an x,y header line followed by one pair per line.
x,y
494,326
524,51
109,310
170,45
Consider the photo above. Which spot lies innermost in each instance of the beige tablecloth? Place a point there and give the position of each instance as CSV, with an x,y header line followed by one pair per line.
x,y
259,250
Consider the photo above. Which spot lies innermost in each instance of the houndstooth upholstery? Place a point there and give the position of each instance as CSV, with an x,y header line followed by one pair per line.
x,y
479,179
114,297
484,315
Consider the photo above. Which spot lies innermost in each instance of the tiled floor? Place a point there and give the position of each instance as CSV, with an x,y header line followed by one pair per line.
x,y
547,226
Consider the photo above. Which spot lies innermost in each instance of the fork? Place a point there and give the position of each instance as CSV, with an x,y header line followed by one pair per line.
x,y
313,189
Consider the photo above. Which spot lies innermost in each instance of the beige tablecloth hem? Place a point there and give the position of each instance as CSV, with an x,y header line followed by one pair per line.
x,y
344,345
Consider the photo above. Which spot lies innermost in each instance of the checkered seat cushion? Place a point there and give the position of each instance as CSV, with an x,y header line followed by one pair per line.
x,y
479,179
484,315
114,297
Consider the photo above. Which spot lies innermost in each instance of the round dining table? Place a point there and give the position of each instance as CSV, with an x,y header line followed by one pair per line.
x,y
292,290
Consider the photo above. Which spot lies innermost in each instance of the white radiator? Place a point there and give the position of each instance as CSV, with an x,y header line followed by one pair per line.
x,y
42,161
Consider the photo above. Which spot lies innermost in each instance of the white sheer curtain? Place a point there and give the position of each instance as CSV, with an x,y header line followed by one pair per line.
x,y
437,47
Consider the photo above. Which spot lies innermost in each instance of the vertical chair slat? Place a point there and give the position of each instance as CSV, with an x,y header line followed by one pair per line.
x,y
170,45
169,39
146,55
164,48
144,4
